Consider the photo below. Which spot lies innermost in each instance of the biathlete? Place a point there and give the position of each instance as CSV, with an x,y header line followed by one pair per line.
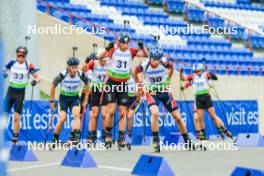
x,y
20,70
199,81
98,99
157,74
118,73
88,73
70,81
133,102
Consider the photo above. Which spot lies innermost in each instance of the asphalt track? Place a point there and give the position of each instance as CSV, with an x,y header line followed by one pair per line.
x,y
114,163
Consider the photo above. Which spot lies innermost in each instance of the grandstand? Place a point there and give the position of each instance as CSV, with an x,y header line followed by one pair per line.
x,y
190,32
220,54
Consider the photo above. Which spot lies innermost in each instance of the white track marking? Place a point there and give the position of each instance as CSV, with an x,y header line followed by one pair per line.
x,y
115,168
33,167
58,163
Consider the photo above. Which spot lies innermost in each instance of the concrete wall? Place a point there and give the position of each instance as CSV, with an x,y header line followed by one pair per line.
x,y
15,17
54,50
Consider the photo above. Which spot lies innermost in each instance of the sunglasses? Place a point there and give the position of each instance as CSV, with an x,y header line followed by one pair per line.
x,y
23,56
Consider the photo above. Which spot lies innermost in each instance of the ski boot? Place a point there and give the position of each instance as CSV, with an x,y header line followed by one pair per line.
x,y
108,141
91,139
75,138
122,142
15,139
156,144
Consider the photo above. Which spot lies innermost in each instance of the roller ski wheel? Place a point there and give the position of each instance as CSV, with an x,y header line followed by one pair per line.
x,y
123,144
90,143
200,147
222,136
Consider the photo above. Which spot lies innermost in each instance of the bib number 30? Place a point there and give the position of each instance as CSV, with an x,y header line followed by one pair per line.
x,y
155,79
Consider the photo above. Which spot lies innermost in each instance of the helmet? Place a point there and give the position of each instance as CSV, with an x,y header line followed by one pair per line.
x,y
124,37
198,67
156,52
93,56
22,47
72,61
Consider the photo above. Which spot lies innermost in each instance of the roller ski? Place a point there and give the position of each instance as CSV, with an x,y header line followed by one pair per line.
x,y
228,133
91,142
122,142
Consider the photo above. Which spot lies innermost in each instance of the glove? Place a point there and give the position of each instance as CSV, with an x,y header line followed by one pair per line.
x,y
52,105
109,46
33,83
182,88
5,75
213,76
140,44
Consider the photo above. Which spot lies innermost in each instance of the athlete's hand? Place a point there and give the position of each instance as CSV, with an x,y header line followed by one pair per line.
x,y
140,90
33,83
5,75
109,46
182,88
52,105
140,44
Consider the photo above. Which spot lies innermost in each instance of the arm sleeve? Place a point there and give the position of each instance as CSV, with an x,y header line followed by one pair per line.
x,y
190,77
133,52
110,52
57,80
84,78
211,76
91,65
187,84
9,64
32,69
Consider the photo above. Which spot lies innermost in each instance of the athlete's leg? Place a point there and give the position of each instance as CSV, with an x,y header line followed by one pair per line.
x,y
152,103
93,124
219,123
111,107
176,115
200,114
104,114
18,106
57,130
196,124
130,115
76,125
62,118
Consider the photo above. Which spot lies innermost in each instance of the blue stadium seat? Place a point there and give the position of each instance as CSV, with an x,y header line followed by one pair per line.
x,y
196,15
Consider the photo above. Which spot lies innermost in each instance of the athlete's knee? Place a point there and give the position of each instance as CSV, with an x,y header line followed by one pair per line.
x,y
122,112
155,114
